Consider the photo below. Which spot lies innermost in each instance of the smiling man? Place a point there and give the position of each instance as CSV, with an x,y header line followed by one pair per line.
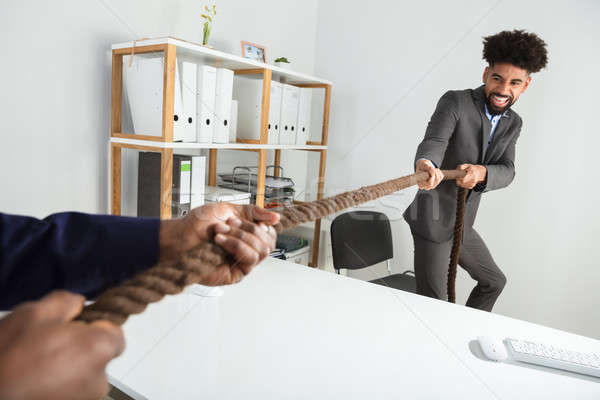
x,y
474,130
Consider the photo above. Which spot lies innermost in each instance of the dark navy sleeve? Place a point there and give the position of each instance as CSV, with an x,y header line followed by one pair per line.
x,y
82,253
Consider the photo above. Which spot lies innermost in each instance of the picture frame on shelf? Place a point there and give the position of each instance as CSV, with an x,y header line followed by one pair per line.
x,y
253,51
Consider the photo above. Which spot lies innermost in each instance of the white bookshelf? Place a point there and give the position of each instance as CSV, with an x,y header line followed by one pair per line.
x,y
222,146
171,48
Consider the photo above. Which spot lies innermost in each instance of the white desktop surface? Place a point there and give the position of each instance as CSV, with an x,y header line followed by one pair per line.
x,y
291,332
457,327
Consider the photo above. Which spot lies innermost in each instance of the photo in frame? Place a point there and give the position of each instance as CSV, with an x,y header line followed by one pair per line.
x,y
254,51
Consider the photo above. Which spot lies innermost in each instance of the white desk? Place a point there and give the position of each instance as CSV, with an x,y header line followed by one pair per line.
x,y
290,332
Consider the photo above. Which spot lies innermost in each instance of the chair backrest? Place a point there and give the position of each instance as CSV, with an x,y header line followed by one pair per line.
x,y
360,239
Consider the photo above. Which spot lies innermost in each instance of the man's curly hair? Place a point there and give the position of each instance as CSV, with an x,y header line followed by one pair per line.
x,y
520,48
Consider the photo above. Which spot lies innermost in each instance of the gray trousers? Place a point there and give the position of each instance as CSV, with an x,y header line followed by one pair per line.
x,y
431,269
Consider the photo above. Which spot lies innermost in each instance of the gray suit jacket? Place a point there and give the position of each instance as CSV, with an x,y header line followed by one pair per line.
x,y
458,133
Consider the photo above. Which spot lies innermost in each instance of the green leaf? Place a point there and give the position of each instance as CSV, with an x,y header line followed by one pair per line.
x,y
206,8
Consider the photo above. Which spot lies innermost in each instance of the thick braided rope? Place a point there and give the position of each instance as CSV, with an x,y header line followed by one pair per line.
x,y
461,202
133,295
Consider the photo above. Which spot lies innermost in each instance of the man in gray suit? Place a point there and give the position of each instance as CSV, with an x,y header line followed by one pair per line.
x,y
473,130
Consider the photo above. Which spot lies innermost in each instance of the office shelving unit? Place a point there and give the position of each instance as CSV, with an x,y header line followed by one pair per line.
x,y
171,47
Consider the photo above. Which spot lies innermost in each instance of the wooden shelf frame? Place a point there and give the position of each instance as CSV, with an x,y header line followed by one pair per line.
x,y
218,146
165,146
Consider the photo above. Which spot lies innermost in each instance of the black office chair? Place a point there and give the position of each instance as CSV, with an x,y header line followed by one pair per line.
x,y
360,239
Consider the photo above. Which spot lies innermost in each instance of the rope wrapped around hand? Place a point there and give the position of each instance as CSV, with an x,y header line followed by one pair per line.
x,y
132,296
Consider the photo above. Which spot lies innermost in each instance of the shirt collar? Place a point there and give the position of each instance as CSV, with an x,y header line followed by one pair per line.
x,y
494,118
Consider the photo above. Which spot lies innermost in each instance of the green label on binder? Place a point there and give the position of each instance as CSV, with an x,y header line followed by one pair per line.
x,y
186,167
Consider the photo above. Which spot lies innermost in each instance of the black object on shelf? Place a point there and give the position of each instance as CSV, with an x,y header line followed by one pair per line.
x,y
148,202
290,243
278,253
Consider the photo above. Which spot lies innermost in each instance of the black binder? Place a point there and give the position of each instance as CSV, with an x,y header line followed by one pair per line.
x,y
148,204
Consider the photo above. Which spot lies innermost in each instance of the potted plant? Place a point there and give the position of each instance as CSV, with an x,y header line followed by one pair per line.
x,y
208,21
281,62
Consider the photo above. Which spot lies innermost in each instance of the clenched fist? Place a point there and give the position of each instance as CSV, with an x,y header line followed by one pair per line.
x,y
45,355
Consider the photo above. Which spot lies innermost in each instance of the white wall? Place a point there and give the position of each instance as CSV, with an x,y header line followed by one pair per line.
x,y
55,78
390,62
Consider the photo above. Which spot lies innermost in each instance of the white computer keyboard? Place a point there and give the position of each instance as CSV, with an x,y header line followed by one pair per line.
x,y
553,357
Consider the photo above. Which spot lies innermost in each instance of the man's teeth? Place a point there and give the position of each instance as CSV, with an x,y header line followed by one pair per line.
x,y
499,100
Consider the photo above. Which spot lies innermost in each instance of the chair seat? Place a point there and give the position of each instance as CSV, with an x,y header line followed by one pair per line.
x,y
405,282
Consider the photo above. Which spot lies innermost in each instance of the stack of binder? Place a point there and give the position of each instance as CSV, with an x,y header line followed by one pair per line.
x,y
289,111
214,88
202,99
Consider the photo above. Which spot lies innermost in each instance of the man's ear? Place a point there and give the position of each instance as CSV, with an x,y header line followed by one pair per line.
x,y
526,85
485,74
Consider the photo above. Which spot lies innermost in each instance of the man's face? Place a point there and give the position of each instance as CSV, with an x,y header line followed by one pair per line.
x,y
504,83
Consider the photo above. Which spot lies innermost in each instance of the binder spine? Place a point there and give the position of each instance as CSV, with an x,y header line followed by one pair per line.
x,y
289,114
148,184
234,122
205,103
180,202
178,120
274,113
224,88
248,93
189,83
303,125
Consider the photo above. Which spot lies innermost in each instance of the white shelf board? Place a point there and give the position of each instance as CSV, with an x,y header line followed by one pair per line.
x,y
231,146
208,56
